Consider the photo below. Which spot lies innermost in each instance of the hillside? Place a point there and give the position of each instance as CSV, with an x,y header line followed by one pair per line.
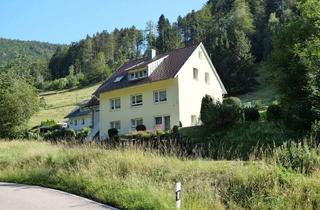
x,y
59,103
9,49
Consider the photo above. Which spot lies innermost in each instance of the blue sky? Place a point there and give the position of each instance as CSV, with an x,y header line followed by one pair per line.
x,y
64,21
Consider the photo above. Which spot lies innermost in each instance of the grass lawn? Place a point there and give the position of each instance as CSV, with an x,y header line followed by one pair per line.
x,y
264,93
60,103
136,179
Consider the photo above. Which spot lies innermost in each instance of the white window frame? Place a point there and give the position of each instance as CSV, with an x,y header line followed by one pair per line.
x,y
155,121
113,104
133,100
195,74
207,78
138,74
157,98
135,122
113,124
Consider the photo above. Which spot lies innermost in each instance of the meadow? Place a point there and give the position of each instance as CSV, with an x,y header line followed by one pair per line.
x,y
134,178
57,104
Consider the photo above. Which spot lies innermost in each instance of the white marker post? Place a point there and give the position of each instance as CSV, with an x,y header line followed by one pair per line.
x,y
178,195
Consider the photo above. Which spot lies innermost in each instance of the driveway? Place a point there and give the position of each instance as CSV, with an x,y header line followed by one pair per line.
x,y
26,197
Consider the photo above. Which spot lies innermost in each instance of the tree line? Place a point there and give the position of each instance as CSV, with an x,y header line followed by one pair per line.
x,y
240,36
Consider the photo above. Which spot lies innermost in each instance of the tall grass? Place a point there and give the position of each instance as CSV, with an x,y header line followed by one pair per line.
x,y
136,179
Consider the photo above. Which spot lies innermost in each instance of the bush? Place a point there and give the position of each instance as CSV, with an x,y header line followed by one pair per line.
x,y
299,157
59,84
315,130
60,134
274,113
141,128
251,114
48,123
234,101
83,133
175,129
140,135
112,132
222,115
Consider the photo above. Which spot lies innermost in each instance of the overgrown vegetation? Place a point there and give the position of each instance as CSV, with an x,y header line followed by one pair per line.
x,y
137,179
18,102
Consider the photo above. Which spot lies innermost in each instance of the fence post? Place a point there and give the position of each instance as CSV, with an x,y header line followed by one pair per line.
x,y
178,195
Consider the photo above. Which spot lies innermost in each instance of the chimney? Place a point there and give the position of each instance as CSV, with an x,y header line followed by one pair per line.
x,y
152,53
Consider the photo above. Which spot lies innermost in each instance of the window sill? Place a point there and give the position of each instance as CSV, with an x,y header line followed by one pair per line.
x,y
136,106
160,102
114,110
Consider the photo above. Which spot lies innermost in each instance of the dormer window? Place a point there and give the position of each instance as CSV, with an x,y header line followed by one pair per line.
x,y
118,79
138,74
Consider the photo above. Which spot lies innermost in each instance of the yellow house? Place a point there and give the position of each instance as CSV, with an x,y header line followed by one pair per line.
x,y
158,91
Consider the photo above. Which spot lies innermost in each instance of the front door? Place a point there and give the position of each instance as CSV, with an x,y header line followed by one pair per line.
x,y
167,123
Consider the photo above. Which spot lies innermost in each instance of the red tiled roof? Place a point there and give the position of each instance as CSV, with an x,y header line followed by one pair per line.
x,y
166,70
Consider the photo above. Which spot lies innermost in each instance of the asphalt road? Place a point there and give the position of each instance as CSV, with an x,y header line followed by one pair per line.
x,y
26,197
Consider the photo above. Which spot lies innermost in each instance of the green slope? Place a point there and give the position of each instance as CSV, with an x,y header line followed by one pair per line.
x,y
60,103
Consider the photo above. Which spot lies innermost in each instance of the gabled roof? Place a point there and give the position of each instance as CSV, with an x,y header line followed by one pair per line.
x,y
77,112
169,67
94,101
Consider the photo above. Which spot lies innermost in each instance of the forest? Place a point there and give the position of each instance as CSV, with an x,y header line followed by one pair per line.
x,y
241,37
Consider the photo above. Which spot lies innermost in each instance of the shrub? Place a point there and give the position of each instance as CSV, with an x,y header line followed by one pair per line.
x,y
299,157
315,130
223,115
175,129
48,123
274,113
83,133
251,114
60,134
112,132
206,107
140,135
232,101
59,84
141,128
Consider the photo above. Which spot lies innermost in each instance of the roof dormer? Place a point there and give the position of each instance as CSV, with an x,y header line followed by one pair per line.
x,y
138,74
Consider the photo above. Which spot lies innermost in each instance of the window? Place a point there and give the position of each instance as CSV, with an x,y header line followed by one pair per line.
x,y
136,122
159,96
75,122
118,79
158,121
207,77
71,122
193,119
82,121
167,123
115,124
200,55
138,74
195,73
136,100
115,104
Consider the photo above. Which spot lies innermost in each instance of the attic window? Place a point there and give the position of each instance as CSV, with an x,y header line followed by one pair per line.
x,y
138,74
118,79
200,55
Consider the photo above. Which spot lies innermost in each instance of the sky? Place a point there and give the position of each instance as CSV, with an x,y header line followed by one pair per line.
x,y
66,21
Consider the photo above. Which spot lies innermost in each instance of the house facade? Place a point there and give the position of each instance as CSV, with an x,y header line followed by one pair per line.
x,y
159,91
79,118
